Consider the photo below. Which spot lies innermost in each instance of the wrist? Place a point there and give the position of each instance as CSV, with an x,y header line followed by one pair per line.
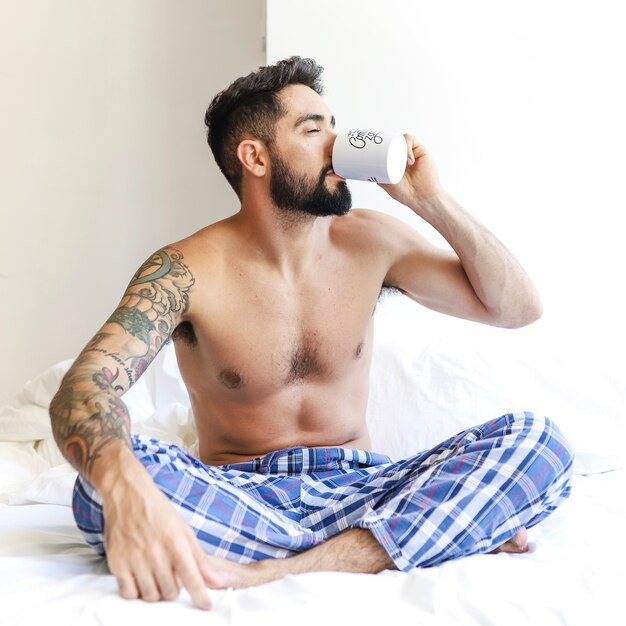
x,y
435,206
116,465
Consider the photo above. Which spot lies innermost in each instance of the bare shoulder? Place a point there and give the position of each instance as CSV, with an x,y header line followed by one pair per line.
x,y
376,230
209,239
206,248
169,276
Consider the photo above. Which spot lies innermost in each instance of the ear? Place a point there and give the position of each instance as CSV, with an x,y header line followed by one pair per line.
x,y
253,156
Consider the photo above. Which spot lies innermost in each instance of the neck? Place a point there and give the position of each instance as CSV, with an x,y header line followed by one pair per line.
x,y
284,239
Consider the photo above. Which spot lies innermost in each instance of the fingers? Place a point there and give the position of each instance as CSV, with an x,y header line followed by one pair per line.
x,y
411,144
167,583
147,586
212,578
127,587
156,577
192,578
415,150
154,551
141,583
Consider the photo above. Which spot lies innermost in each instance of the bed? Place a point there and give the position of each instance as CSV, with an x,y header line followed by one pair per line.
x,y
426,386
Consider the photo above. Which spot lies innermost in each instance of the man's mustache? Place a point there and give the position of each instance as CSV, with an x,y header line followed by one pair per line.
x,y
325,170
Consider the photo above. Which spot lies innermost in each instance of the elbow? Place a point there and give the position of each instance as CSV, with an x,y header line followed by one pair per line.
x,y
533,309
527,313
527,319
54,411
537,311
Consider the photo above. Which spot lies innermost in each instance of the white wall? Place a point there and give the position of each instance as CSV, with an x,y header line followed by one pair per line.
x,y
103,156
523,106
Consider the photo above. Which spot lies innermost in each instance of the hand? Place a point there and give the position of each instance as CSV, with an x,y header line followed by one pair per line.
x,y
150,550
420,182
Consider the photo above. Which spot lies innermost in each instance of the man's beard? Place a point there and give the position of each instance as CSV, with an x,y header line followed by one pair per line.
x,y
294,193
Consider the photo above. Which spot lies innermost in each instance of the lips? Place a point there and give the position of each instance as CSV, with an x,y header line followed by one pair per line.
x,y
331,172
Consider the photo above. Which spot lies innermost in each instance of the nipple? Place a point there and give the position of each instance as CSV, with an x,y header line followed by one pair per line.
x,y
230,379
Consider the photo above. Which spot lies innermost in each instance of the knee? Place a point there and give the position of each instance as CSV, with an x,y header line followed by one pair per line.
x,y
543,435
87,510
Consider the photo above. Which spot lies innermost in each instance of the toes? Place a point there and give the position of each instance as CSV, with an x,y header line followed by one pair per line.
x,y
517,544
520,540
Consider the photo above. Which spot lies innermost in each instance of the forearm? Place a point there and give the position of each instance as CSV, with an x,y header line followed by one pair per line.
x,y
496,277
90,422
89,419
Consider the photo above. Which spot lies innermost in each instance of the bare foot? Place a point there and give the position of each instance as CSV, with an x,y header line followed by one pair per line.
x,y
221,573
517,544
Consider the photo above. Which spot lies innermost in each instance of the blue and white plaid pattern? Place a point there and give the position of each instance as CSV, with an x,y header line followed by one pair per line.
x,y
468,495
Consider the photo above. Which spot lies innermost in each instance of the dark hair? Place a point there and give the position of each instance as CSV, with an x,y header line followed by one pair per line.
x,y
250,106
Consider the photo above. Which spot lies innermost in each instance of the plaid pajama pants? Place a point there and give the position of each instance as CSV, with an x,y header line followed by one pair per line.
x,y
466,496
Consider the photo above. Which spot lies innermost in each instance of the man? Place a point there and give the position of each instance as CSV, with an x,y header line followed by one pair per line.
x,y
271,312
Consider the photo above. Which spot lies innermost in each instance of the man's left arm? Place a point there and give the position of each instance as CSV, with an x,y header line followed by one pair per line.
x,y
481,280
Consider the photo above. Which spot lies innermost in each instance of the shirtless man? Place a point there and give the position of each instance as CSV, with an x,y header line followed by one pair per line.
x,y
271,313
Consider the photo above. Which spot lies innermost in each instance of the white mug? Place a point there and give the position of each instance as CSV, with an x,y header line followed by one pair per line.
x,y
379,157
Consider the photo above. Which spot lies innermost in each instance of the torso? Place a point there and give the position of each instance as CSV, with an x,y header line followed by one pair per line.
x,y
271,362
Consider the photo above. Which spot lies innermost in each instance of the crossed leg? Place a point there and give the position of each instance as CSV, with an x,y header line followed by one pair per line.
x,y
495,480
354,550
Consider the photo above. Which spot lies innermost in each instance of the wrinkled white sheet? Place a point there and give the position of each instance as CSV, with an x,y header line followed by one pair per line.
x,y
572,576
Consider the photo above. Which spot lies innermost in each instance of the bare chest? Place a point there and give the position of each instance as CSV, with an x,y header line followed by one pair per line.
x,y
259,338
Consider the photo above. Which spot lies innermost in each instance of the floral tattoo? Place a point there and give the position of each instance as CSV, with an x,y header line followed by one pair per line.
x,y
87,412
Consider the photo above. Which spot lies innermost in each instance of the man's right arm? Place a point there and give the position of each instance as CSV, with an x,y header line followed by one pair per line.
x,y
87,412
149,547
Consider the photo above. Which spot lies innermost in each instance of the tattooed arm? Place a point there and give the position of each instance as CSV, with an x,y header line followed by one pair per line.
x,y
87,413
149,547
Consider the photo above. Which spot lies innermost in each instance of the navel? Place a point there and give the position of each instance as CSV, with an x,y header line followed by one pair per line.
x,y
231,379
359,350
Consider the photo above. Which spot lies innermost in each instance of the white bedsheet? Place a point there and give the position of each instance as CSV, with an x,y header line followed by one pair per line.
x,y
572,575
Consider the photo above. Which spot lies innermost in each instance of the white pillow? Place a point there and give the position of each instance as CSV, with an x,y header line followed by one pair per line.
x,y
26,418
426,390
32,468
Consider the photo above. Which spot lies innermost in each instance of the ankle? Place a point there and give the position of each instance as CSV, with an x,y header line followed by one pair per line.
x,y
266,570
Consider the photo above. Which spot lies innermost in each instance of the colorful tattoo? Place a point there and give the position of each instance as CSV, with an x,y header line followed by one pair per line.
x,y
134,322
157,267
81,437
87,412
